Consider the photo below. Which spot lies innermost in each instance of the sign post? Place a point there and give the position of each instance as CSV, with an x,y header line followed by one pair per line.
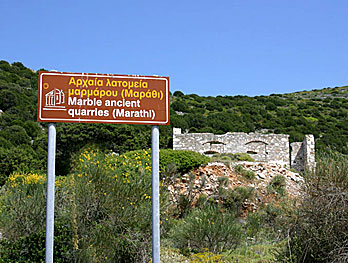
x,y
155,196
51,159
102,98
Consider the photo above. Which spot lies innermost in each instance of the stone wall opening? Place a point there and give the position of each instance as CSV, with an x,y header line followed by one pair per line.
x,y
257,147
214,142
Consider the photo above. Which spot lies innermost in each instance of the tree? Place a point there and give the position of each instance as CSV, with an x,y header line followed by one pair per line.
x,y
179,105
178,93
15,134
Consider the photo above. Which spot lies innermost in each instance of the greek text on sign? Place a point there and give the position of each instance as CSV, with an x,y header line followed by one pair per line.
x,y
86,97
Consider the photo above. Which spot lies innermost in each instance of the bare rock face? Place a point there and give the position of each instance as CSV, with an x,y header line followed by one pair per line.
x,y
207,179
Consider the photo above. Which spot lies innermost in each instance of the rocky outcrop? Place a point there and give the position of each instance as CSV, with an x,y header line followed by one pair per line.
x,y
205,180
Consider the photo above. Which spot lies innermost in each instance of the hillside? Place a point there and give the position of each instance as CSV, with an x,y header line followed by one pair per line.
x,y
23,141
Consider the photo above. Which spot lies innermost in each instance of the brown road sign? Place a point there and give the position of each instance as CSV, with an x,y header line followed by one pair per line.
x,y
105,98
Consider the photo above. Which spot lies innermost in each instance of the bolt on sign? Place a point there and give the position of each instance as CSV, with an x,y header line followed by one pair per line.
x,y
105,98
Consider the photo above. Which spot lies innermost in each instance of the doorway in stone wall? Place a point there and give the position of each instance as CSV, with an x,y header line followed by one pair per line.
x,y
214,146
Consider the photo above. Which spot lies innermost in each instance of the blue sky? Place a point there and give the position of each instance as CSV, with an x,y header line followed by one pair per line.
x,y
208,48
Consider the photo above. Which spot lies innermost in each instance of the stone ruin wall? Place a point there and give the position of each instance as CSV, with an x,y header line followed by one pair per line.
x,y
303,154
262,147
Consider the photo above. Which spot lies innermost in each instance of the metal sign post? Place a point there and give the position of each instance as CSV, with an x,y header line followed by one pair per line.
x,y
155,196
51,157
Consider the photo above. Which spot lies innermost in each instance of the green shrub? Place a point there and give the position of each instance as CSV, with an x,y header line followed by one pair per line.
x,y
272,211
250,175
18,158
242,157
207,228
184,160
260,253
233,199
320,229
202,200
179,105
238,169
255,223
112,195
31,248
226,158
22,219
223,181
269,222
23,204
277,185
184,202
15,134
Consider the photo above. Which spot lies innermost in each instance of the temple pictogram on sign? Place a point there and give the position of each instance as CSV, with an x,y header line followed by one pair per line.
x,y
55,99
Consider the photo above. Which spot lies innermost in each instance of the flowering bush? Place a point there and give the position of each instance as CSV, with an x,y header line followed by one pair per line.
x,y
112,206
22,219
23,203
30,178
206,257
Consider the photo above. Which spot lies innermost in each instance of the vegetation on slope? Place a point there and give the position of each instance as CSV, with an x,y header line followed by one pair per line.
x,y
319,231
103,214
